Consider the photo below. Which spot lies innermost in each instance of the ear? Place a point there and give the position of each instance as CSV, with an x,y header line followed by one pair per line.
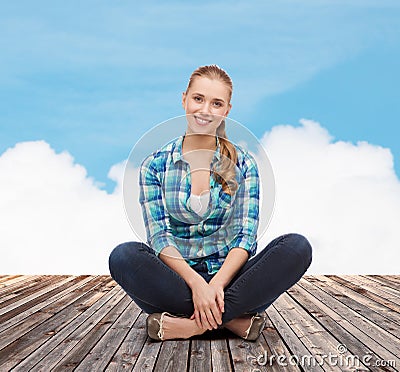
x,y
183,99
229,109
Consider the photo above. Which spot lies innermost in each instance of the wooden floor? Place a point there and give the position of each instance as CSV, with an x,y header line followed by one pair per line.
x,y
87,323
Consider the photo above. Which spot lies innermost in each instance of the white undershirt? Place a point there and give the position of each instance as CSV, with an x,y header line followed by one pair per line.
x,y
199,203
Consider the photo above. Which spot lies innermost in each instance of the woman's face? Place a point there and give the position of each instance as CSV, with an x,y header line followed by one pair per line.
x,y
206,104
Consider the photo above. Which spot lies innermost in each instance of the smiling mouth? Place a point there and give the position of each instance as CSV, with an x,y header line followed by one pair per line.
x,y
202,121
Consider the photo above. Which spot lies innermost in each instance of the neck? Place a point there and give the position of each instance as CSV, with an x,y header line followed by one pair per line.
x,y
199,141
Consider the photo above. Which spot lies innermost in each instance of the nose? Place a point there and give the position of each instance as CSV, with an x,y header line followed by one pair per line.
x,y
206,111
206,108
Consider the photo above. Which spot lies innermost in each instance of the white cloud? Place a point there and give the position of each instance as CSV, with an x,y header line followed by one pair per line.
x,y
54,219
344,198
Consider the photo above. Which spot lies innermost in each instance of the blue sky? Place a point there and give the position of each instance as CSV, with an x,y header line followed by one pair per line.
x,y
91,78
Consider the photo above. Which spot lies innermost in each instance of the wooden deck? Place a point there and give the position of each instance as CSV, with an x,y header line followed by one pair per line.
x,y
87,323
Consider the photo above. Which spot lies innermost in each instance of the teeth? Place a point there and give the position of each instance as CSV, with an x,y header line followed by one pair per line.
x,y
202,121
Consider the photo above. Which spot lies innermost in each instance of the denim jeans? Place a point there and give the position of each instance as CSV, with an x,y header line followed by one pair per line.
x,y
155,287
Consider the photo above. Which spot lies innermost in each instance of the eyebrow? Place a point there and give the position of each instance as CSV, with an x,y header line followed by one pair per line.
x,y
202,95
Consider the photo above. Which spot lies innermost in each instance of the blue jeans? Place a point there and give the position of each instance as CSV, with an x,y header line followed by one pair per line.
x,y
155,287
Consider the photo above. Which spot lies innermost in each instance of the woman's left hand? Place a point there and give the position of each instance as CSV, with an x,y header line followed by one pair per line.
x,y
220,293
219,288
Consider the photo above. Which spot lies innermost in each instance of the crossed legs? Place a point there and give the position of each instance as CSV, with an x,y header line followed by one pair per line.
x,y
155,287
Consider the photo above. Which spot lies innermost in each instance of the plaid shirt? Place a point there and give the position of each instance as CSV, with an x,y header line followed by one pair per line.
x,y
230,221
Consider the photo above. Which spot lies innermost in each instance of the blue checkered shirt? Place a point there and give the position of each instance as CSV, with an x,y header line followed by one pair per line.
x,y
229,222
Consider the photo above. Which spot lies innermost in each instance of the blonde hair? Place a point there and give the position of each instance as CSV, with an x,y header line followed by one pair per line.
x,y
224,171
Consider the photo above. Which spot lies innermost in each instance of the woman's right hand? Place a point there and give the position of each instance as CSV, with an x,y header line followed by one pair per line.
x,y
206,310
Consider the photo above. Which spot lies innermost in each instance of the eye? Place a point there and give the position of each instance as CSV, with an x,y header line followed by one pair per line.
x,y
218,104
197,98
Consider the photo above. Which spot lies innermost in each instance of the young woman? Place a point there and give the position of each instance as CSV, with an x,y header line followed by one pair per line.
x,y
200,200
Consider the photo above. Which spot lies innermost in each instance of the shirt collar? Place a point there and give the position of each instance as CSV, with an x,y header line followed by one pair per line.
x,y
177,150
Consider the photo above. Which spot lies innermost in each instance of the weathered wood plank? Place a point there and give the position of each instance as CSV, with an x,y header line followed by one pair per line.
x,y
18,330
363,298
102,352
392,278
15,282
247,355
277,349
200,356
28,287
11,291
149,354
355,340
384,338
370,289
128,352
19,314
394,288
383,288
380,315
297,348
5,278
312,334
220,356
89,340
378,286
89,323
58,315
50,352
21,303
173,356
253,355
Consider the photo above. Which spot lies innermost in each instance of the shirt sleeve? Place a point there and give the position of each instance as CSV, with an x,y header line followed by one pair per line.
x,y
246,208
155,215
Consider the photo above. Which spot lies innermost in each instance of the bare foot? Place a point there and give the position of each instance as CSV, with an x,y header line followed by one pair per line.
x,y
180,328
239,325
